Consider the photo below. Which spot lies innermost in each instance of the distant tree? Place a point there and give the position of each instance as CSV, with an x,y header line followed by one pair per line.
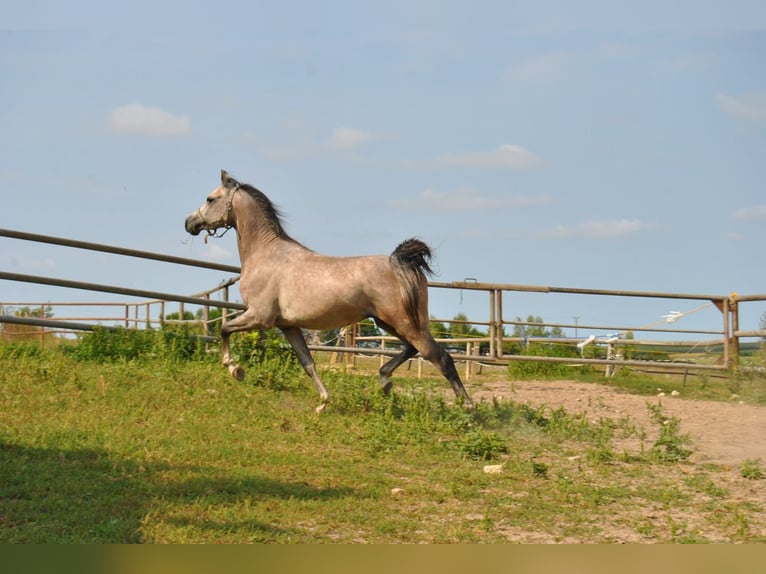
x,y
368,328
535,328
43,312
438,329
188,316
461,328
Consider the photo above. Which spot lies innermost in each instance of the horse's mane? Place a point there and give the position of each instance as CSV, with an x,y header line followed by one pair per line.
x,y
274,219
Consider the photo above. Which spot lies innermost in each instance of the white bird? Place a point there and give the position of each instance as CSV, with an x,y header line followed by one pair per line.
x,y
673,316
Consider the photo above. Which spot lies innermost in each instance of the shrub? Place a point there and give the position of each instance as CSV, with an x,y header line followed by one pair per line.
x,y
170,342
671,444
480,444
538,369
275,364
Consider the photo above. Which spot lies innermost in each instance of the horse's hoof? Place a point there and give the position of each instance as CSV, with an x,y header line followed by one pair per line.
x,y
237,372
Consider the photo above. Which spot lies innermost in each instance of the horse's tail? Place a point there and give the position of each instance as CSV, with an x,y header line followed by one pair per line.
x,y
410,262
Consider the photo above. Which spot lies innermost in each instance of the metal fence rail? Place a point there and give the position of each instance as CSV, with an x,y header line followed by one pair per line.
x,y
728,335
51,240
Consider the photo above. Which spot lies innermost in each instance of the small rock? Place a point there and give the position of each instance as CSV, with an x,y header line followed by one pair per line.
x,y
660,394
675,394
397,491
493,468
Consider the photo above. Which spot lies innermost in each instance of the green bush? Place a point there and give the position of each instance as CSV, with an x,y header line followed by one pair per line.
x,y
480,444
671,446
544,370
273,361
120,344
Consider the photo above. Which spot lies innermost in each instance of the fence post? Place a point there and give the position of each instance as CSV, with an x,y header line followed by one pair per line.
x,y
492,324
500,326
726,332
350,341
382,348
42,329
468,352
206,316
223,309
734,328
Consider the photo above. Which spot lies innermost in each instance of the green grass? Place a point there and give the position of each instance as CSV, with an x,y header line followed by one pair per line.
x,y
160,450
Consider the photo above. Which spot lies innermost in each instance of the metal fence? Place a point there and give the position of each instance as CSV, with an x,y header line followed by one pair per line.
x,y
492,348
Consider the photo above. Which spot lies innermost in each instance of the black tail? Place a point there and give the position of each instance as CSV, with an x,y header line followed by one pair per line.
x,y
410,261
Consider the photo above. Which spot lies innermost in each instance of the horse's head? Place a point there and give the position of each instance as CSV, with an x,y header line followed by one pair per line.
x,y
216,211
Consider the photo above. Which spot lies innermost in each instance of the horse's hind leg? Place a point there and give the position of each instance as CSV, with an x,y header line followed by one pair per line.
x,y
432,351
387,369
298,343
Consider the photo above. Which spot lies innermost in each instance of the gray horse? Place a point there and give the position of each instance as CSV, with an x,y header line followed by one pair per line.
x,y
286,285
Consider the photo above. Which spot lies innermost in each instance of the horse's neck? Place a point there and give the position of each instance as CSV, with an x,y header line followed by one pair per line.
x,y
257,243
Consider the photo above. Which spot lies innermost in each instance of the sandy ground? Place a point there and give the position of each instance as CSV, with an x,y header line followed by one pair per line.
x,y
721,433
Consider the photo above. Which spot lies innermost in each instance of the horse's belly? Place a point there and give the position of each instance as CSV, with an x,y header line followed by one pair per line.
x,y
322,315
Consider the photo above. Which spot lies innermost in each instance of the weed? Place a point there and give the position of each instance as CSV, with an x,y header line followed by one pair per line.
x,y
671,445
751,469
479,444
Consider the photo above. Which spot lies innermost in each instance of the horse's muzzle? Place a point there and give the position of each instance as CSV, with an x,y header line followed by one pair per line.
x,y
194,224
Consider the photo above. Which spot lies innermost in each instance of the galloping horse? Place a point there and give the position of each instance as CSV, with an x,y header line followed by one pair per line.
x,y
286,285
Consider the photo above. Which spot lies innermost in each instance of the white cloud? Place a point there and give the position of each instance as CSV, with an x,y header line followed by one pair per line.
x,y
756,212
749,107
504,156
598,229
465,198
148,121
348,138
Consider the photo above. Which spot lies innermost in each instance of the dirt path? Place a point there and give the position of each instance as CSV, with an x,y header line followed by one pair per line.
x,y
721,433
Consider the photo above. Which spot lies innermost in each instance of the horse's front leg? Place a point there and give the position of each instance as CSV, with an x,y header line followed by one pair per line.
x,y
245,322
234,369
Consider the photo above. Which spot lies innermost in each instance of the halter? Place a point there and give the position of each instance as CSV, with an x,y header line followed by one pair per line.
x,y
212,230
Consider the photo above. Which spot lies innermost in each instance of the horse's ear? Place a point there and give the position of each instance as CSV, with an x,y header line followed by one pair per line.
x,y
224,177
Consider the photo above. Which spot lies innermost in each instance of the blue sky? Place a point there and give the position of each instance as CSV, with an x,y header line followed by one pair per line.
x,y
579,144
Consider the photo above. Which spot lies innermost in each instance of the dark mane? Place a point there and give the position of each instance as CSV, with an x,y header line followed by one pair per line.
x,y
274,218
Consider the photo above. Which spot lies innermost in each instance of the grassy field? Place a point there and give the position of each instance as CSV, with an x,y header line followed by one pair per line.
x,y
159,450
